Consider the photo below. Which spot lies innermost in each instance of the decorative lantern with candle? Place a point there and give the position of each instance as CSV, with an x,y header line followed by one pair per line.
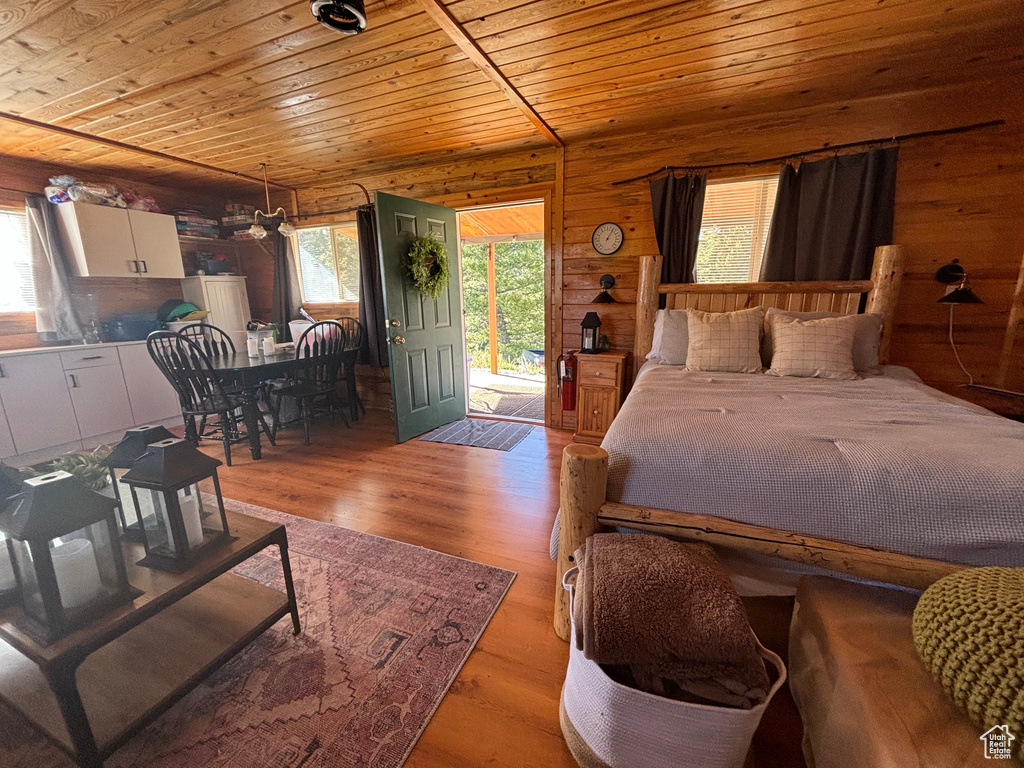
x,y
591,327
10,484
181,529
134,443
62,540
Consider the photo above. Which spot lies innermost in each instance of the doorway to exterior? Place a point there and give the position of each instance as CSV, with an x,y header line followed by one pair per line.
x,y
503,294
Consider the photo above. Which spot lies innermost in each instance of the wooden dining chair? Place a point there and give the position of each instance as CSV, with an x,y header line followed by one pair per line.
x,y
320,351
355,335
201,394
214,341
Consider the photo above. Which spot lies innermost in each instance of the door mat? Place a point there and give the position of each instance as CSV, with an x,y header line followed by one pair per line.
x,y
479,433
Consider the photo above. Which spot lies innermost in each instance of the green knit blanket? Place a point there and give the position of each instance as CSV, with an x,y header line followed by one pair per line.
x,y
969,630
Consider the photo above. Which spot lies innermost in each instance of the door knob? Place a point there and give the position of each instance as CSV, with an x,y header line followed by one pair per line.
x,y
395,323
399,340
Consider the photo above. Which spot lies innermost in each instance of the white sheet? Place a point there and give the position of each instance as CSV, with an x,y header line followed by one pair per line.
x,y
883,461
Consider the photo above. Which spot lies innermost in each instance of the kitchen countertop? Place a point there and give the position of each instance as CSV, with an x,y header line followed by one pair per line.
x,y
66,348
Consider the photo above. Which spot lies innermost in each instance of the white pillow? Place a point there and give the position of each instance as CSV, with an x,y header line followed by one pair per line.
x,y
671,337
821,349
865,339
724,341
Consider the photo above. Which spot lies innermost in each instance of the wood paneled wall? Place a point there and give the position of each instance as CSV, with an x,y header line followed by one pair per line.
x,y
959,196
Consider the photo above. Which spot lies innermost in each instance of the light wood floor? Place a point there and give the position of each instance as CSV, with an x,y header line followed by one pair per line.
x,y
490,506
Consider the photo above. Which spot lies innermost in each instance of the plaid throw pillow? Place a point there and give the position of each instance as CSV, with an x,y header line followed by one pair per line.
x,y
724,341
865,338
821,349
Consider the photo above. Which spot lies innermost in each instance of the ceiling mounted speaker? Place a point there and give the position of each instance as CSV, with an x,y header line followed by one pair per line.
x,y
346,16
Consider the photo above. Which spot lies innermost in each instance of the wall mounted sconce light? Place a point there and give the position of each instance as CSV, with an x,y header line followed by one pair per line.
x,y
954,274
257,230
607,281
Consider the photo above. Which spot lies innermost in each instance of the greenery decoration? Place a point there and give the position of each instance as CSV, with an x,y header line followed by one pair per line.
x,y
427,262
87,467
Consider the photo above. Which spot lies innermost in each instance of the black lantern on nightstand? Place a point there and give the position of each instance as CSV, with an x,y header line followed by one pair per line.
x,y
591,327
181,529
10,484
62,540
134,443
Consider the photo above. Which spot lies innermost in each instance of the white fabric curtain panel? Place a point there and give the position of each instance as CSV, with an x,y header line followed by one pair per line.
x,y
56,319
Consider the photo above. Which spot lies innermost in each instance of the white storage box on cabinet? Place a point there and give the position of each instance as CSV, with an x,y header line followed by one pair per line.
x,y
116,242
37,401
225,298
610,725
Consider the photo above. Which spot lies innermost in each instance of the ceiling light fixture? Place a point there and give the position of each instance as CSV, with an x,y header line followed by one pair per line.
x,y
257,230
345,16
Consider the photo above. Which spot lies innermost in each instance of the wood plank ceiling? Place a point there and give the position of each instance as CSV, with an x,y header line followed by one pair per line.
x,y
232,83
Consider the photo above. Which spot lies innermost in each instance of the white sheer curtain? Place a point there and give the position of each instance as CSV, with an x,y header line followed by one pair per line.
x,y
56,319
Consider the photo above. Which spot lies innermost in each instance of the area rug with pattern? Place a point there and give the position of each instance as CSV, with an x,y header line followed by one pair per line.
x,y
386,627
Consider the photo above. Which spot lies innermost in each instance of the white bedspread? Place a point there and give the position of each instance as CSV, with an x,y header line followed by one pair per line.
x,y
884,461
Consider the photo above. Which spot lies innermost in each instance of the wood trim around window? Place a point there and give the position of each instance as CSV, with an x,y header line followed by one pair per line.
x,y
331,310
12,323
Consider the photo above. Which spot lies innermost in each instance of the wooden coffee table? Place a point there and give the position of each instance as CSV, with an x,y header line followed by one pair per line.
x,y
91,691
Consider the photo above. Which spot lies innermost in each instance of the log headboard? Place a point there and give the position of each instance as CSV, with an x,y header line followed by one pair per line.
x,y
839,296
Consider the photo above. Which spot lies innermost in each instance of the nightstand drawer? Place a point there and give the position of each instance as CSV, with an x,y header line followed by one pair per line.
x,y
599,372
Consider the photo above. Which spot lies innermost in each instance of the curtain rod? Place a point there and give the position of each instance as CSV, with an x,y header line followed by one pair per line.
x,y
366,194
131,148
22,191
827,148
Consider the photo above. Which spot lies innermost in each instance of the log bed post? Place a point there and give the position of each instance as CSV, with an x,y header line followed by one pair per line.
x,y
886,277
582,489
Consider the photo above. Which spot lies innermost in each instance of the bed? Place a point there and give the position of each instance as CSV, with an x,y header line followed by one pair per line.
x,y
881,478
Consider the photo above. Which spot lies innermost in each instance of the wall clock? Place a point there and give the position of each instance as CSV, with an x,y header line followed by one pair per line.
x,y
607,238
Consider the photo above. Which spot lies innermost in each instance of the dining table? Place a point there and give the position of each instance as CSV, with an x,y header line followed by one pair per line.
x,y
247,375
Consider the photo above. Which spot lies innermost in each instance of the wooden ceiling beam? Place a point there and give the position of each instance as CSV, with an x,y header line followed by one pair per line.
x,y
437,11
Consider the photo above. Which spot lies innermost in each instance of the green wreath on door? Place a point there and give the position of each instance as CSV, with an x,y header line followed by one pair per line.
x,y
427,262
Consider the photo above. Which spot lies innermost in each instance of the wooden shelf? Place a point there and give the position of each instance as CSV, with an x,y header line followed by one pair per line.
x,y
123,683
192,240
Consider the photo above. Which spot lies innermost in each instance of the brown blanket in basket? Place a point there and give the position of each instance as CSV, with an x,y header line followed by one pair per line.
x,y
670,613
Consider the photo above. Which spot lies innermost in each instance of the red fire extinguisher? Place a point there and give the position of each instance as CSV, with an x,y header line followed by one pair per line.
x,y
567,380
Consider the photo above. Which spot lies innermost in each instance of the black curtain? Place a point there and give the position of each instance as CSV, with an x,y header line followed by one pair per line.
x,y
287,297
829,217
371,291
678,205
56,319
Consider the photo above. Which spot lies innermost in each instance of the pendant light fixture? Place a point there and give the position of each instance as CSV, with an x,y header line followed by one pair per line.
x,y
257,230
345,16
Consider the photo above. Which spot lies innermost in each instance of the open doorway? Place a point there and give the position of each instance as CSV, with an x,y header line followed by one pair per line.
x,y
503,292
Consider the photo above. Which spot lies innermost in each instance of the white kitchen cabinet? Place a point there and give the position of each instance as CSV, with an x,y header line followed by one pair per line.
x,y
156,244
6,438
37,401
100,399
151,396
98,240
225,298
116,242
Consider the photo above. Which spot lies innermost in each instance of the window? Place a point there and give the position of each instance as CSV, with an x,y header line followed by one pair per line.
x,y
17,291
329,263
734,229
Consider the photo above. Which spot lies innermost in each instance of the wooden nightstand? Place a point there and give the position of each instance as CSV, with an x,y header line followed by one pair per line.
x,y
601,384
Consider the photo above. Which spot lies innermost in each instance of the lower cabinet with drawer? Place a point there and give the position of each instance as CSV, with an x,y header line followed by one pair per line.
x,y
601,384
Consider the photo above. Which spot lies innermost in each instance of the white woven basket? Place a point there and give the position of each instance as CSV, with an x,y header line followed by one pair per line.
x,y
622,727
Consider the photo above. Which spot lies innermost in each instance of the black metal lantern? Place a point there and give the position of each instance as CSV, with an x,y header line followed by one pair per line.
x,y
134,443
10,484
181,529
68,564
591,327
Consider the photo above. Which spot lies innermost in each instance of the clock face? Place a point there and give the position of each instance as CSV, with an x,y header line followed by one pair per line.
x,y
607,238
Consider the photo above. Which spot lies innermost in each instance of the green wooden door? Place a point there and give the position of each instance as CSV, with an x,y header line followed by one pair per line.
x,y
426,349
